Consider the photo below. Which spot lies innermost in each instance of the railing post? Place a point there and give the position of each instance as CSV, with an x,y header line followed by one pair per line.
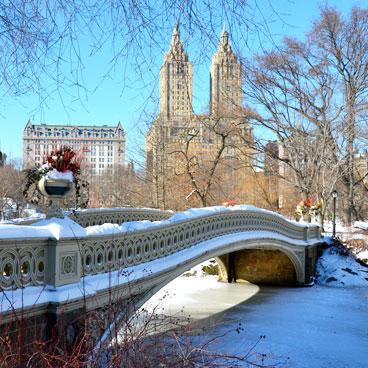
x,y
306,233
63,262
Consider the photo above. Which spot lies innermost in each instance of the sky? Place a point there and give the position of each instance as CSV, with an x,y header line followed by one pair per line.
x,y
123,96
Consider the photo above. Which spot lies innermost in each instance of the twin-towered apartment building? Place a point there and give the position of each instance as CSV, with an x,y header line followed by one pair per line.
x,y
105,145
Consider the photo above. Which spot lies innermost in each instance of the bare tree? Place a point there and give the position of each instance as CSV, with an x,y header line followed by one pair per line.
x,y
11,198
210,153
342,43
120,187
41,49
312,96
294,92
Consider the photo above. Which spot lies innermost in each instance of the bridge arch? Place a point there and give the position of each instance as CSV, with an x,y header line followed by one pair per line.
x,y
280,254
222,250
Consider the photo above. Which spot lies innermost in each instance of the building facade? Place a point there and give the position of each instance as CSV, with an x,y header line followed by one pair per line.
x,y
361,167
176,81
179,139
102,147
225,78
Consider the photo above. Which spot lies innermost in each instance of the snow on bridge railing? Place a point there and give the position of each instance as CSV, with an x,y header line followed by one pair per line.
x,y
101,216
59,251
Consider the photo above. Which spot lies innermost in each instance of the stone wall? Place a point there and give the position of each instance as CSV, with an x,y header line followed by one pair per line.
x,y
263,266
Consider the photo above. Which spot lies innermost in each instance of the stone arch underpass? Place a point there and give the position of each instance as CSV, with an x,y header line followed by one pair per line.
x,y
95,274
222,254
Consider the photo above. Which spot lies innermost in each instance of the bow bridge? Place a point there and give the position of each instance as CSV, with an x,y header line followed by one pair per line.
x,y
62,267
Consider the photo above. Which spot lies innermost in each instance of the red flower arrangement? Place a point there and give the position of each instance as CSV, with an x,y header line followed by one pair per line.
x,y
229,203
305,208
64,159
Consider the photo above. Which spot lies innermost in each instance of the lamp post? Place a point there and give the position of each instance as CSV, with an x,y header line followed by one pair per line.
x,y
334,196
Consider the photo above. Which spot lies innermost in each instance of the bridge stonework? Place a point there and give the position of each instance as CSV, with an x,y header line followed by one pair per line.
x,y
251,244
262,266
267,265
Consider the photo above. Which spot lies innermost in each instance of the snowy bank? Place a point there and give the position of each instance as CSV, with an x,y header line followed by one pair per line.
x,y
339,268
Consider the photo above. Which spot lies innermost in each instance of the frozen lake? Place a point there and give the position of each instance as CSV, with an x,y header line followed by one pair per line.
x,y
319,326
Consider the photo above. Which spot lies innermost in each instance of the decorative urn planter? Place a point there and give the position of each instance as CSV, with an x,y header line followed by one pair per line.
x,y
54,188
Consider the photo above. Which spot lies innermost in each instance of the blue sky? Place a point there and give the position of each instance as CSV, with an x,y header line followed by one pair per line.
x,y
124,96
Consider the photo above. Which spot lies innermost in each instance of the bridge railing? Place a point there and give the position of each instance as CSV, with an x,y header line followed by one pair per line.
x,y
23,262
65,261
104,253
93,217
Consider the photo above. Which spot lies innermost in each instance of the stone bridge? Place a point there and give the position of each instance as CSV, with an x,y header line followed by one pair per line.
x,y
77,270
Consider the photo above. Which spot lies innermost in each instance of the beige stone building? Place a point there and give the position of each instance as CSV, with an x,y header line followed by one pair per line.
x,y
180,141
103,147
361,166
176,81
226,79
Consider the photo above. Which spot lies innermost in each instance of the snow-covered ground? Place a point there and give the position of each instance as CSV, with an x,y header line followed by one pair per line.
x,y
321,326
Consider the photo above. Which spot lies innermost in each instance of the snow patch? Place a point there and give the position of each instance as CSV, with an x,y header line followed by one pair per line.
x,y
59,228
361,225
337,269
363,256
55,174
108,229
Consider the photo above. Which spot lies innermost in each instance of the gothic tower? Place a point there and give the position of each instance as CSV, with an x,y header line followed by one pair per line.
x,y
225,78
176,81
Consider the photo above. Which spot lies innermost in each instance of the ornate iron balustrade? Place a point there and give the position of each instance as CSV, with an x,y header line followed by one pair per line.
x,y
113,216
23,262
105,253
117,216
39,261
